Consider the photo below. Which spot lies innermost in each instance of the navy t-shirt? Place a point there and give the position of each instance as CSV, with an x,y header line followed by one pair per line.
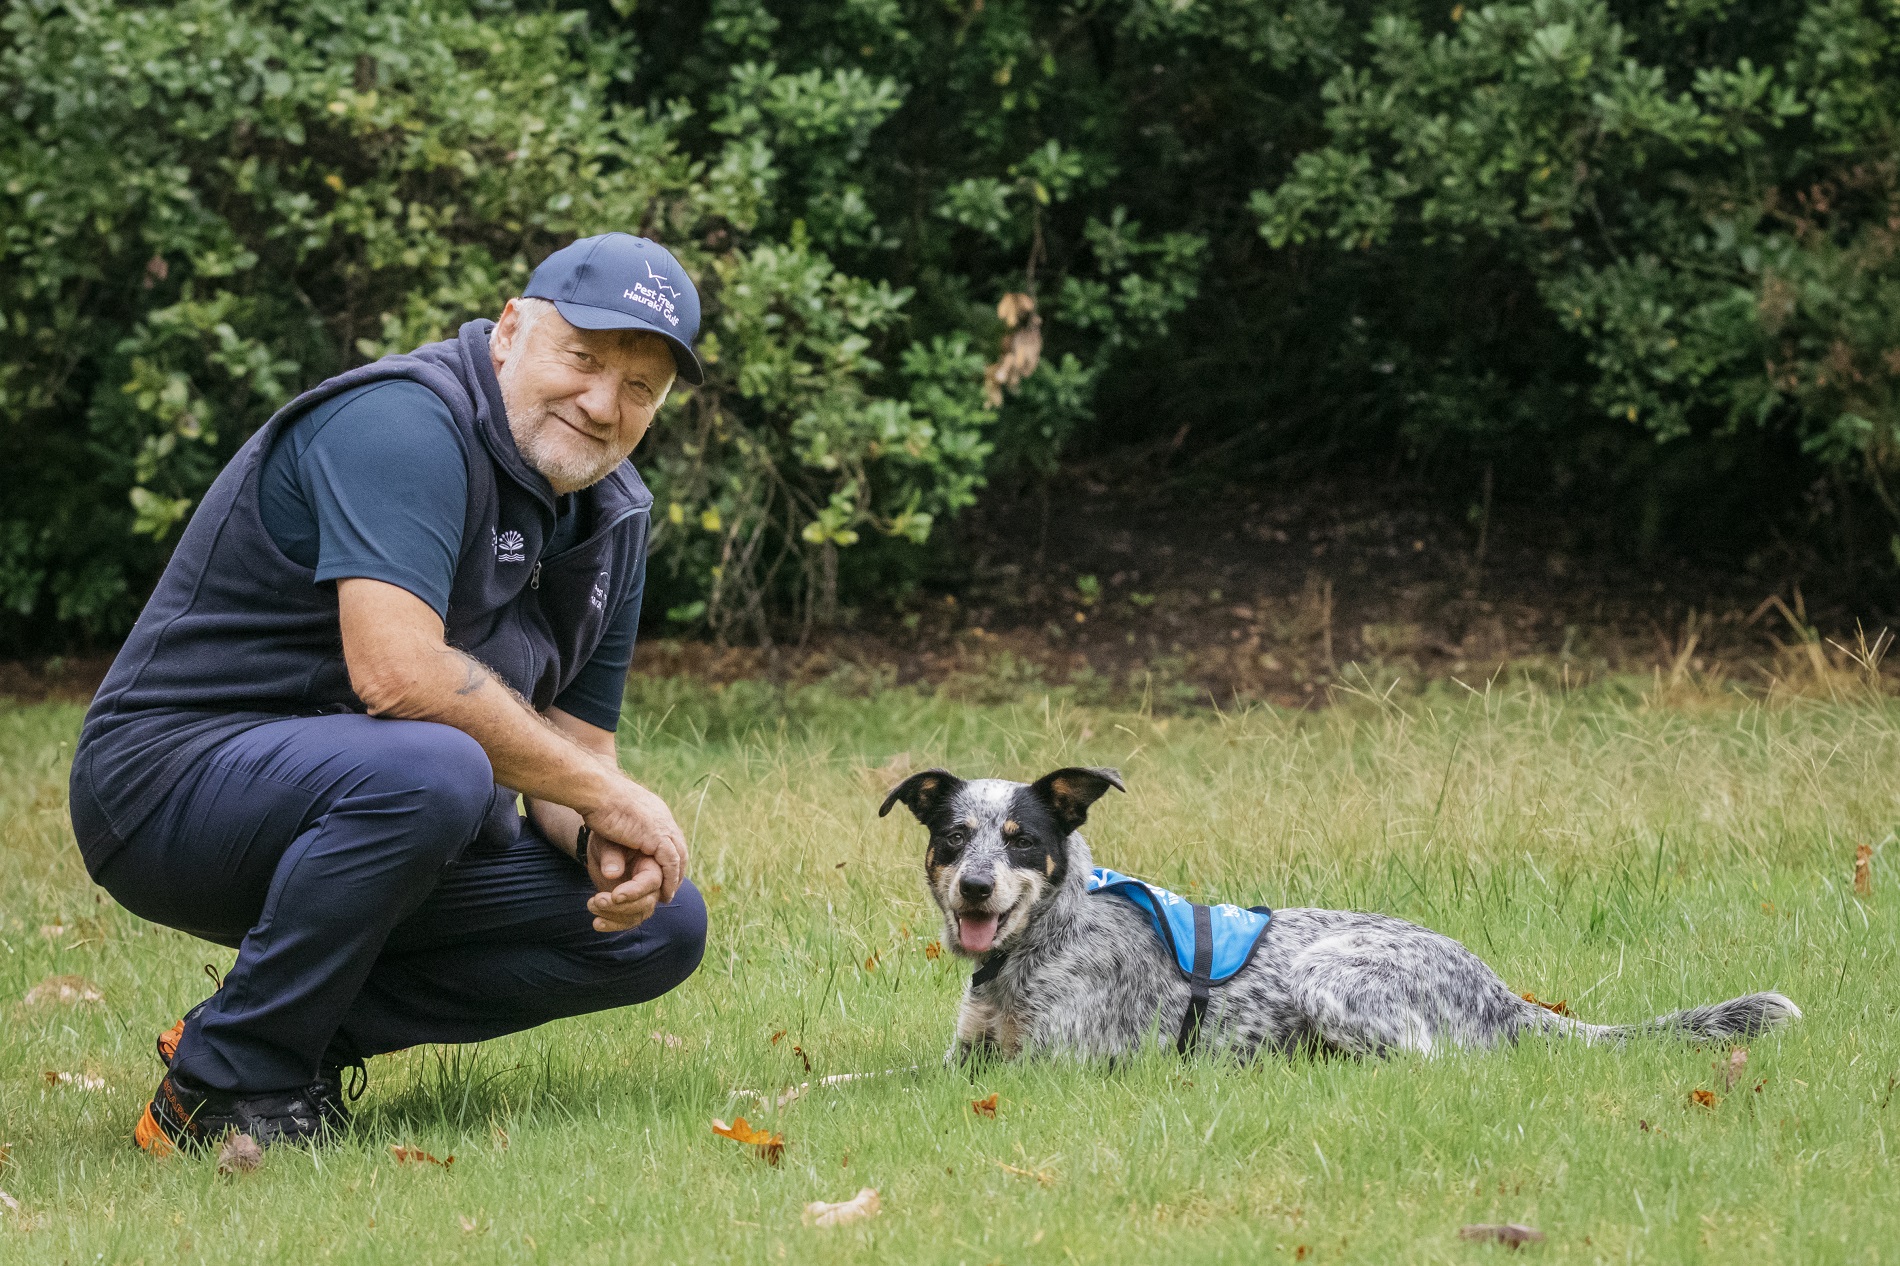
x,y
372,485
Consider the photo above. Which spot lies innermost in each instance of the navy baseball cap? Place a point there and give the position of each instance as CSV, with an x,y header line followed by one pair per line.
x,y
620,282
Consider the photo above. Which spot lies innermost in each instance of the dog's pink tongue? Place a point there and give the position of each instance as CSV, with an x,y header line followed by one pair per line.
x,y
977,935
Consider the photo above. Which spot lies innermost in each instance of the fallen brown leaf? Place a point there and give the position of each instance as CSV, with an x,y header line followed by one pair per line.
x,y
1731,1068
771,1146
800,1052
406,1155
1042,1176
66,989
776,1036
933,951
1560,1007
984,1107
1702,1098
870,964
1513,1234
239,1155
1864,870
859,1207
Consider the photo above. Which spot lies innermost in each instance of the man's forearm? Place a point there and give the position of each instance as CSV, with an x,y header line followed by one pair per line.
x,y
526,752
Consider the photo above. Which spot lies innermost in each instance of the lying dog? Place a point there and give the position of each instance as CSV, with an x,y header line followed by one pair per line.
x,y
1064,971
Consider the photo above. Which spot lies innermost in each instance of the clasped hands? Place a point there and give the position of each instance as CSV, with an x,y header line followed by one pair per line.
x,y
637,856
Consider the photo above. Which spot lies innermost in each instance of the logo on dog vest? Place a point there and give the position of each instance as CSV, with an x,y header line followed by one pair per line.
x,y
509,547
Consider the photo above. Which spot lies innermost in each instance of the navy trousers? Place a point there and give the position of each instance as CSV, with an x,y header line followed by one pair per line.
x,y
378,898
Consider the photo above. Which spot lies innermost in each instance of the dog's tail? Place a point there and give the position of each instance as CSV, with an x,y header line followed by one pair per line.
x,y
1746,1016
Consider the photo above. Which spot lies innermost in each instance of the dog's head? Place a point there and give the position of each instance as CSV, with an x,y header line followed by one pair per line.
x,y
998,849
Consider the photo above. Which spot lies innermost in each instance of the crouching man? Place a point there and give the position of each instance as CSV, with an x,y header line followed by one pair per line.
x,y
410,596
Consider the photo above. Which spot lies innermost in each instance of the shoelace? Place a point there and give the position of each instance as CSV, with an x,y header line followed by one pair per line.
x,y
356,1083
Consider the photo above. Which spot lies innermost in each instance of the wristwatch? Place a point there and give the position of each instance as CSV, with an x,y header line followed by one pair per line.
x,y
581,841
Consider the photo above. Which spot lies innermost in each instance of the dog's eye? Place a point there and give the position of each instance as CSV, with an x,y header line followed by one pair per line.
x,y
952,840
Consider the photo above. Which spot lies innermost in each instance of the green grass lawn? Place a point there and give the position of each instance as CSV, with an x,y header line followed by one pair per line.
x,y
1627,859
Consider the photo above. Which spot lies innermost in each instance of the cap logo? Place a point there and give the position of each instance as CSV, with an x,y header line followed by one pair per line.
x,y
654,296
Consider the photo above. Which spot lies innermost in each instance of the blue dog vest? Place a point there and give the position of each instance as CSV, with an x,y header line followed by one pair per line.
x,y
1209,943
1230,934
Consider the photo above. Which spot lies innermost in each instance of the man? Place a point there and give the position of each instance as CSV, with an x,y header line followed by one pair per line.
x,y
410,596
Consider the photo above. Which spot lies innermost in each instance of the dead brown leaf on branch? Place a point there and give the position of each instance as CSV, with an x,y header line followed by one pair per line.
x,y
1022,348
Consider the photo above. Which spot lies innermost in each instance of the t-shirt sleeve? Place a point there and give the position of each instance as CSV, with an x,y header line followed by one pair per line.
x,y
595,693
387,482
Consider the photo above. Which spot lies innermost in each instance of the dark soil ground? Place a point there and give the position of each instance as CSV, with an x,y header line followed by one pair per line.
x,y
1124,591
1244,593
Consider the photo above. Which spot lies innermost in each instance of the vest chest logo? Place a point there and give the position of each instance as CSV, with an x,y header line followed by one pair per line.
x,y
509,547
598,599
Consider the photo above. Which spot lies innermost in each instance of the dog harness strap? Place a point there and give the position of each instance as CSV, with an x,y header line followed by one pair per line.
x,y
986,971
1199,980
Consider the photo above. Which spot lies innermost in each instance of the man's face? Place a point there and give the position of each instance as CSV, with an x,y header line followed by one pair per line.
x,y
578,401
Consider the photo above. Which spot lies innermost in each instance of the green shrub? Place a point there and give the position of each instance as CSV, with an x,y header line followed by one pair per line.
x,y
210,205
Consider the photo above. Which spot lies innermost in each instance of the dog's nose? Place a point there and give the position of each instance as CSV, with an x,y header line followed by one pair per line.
x,y
974,889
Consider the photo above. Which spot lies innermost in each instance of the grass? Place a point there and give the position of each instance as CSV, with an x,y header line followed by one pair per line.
x,y
1626,858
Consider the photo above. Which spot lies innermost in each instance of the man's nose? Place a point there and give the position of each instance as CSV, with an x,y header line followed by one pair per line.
x,y
600,402
976,887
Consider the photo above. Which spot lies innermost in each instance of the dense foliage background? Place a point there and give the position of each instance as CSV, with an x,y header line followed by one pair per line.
x,y
1639,256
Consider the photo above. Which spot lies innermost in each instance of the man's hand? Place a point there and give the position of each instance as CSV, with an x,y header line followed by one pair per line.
x,y
637,859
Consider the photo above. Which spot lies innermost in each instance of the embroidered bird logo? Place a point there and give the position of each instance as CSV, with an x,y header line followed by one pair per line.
x,y
660,281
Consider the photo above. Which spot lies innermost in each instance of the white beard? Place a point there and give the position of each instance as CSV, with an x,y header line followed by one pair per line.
x,y
545,443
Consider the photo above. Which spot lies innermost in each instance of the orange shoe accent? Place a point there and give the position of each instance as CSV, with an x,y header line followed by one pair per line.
x,y
151,1136
168,1041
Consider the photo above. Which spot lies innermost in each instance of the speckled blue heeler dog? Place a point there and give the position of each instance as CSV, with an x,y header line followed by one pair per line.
x,y
1066,972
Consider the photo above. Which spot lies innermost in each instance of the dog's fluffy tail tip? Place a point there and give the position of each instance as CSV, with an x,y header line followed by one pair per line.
x,y
1745,1016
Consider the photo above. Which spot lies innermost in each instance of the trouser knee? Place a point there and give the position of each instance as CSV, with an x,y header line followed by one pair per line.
x,y
671,944
440,781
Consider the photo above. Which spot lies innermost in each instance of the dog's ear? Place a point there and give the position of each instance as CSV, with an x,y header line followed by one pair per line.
x,y
922,793
1070,792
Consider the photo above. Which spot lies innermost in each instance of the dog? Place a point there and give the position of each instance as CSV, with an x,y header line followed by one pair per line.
x,y
1066,972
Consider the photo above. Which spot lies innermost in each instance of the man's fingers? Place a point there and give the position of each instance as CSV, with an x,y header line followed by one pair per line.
x,y
672,859
613,862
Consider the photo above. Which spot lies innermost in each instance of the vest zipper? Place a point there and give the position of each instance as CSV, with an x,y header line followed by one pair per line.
x,y
534,576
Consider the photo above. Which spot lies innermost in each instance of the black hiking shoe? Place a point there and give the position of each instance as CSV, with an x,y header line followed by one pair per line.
x,y
185,1116
341,1080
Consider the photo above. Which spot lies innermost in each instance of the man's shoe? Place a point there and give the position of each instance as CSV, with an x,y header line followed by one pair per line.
x,y
184,1116
332,1097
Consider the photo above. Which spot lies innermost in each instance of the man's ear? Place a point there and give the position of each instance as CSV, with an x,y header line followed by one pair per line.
x,y
1070,792
922,793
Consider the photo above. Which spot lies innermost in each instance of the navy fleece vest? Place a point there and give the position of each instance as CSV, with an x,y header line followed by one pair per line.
x,y
236,634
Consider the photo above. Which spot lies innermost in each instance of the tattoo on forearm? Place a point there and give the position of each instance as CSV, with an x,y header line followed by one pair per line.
x,y
477,677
